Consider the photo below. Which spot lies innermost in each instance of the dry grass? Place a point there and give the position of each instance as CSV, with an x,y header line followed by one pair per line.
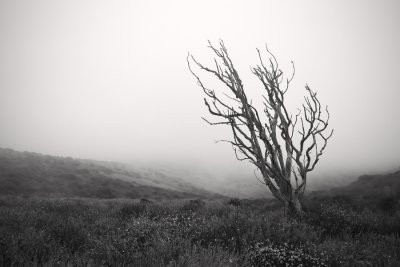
x,y
81,232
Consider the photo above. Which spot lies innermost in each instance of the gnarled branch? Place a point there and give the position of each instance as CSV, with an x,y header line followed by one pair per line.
x,y
270,145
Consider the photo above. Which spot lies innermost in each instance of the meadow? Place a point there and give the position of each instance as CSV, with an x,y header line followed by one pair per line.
x,y
195,232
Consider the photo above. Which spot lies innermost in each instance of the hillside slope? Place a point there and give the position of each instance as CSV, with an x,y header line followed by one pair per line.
x,y
33,174
373,185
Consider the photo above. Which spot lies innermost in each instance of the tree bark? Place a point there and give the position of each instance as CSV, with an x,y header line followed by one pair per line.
x,y
294,206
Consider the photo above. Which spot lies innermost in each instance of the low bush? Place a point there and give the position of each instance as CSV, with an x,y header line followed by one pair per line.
x,y
77,232
270,254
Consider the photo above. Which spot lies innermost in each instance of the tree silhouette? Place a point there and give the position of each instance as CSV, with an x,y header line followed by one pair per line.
x,y
283,147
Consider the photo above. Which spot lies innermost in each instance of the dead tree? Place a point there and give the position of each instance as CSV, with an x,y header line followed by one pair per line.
x,y
283,147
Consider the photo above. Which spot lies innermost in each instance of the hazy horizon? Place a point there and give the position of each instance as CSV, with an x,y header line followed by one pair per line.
x,y
109,80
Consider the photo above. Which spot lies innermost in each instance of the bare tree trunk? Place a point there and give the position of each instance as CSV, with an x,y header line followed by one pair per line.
x,y
294,206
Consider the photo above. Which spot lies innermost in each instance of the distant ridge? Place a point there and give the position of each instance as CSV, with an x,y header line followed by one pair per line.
x,y
34,174
373,185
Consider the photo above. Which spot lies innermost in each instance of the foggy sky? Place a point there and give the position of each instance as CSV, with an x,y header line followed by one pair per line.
x,y
108,80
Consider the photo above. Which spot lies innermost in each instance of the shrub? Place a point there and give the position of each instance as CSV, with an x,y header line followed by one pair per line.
x,y
25,248
68,233
145,201
269,254
193,205
130,209
388,205
234,202
337,220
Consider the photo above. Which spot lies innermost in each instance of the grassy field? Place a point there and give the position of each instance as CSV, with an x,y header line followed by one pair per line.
x,y
89,232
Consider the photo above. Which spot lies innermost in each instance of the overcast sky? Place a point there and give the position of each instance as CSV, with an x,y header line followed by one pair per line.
x,y
108,80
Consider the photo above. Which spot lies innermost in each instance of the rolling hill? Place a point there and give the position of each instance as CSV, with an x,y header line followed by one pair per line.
x,y
33,174
379,192
373,186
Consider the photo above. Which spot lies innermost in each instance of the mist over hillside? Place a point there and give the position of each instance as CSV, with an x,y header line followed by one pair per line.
x,y
242,181
387,185
28,173
33,174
